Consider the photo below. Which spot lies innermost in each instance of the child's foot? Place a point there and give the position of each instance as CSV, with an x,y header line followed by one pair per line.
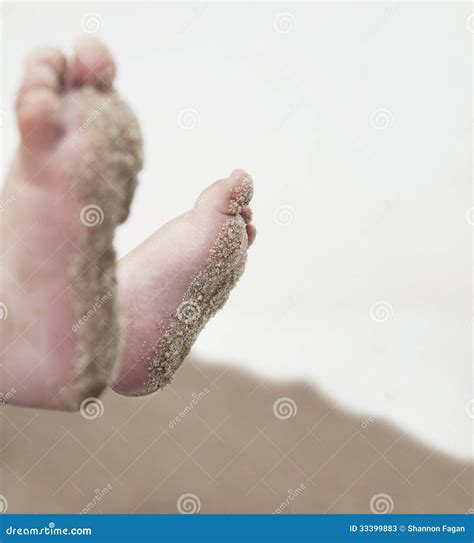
x,y
179,278
70,185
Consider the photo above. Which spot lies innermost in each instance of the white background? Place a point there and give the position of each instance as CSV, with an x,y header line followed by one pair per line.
x,y
355,121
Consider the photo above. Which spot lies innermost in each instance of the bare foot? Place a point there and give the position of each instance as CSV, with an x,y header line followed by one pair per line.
x,y
70,185
179,278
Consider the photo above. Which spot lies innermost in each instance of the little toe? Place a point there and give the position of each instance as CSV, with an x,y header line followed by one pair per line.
x,y
229,196
38,100
93,64
247,214
251,233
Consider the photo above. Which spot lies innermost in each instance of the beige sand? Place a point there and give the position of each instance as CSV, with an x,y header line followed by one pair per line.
x,y
213,433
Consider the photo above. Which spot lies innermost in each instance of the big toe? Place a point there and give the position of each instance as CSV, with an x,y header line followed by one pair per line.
x,y
38,100
92,64
229,196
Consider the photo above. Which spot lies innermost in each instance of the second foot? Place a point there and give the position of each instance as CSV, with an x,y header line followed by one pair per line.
x,y
175,281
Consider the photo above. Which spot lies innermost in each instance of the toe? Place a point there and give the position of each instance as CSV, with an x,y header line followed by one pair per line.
x,y
241,191
92,64
228,196
251,233
38,99
44,69
38,117
247,214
